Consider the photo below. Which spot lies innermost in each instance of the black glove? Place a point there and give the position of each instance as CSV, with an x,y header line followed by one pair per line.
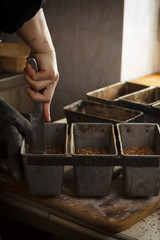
x,y
13,127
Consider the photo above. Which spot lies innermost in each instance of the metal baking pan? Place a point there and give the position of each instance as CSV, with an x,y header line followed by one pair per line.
x,y
88,111
110,94
140,141
141,100
42,176
87,141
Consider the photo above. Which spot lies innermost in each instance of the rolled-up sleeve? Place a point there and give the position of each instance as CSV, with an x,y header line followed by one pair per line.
x,y
14,13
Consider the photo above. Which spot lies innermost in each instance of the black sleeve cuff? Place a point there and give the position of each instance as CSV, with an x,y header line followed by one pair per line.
x,y
14,13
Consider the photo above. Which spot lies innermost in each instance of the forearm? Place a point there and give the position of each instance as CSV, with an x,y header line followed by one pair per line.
x,y
36,35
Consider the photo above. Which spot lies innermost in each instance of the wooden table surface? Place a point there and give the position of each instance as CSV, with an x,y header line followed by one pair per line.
x,y
149,80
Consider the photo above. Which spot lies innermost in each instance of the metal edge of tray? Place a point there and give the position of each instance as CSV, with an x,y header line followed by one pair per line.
x,y
69,109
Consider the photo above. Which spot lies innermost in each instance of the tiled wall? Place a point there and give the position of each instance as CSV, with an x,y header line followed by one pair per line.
x,y
87,35
141,42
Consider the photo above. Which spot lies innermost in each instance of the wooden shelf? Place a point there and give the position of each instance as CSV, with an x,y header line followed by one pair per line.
x,y
149,80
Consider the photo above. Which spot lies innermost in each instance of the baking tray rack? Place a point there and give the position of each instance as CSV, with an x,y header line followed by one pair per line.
x,y
44,172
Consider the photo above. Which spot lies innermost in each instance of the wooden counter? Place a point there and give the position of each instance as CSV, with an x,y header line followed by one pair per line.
x,y
149,80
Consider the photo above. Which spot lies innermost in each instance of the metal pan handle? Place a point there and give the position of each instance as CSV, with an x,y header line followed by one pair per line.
x,y
37,106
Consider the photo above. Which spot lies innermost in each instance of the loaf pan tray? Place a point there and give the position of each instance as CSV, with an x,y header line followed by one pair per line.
x,y
110,94
93,140
88,111
142,100
141,141
42,176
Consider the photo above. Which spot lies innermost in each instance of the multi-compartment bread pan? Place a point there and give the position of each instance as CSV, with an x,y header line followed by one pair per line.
x,y
88,111
142,100
110,94
93,155
142,142
127,95
145,99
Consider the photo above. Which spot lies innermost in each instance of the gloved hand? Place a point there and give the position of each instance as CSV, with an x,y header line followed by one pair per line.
x,y
13,127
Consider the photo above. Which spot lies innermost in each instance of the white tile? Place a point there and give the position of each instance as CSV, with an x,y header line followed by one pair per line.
x,y
101,16
140,56
61,12
65,42
141,16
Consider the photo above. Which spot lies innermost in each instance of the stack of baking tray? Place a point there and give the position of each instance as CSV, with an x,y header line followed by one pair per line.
x,y
145,99
92,150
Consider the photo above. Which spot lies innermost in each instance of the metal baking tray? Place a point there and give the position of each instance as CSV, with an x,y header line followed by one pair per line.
x,y
88,111
141,100
140,181
110,94
43,177
93,181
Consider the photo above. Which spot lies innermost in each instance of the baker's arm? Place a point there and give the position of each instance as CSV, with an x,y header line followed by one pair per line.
x,y
36,35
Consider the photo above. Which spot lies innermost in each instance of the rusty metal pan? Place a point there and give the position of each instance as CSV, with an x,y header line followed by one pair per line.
x,y
87,140
110,94
43,177
140,141
142,100
88,111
